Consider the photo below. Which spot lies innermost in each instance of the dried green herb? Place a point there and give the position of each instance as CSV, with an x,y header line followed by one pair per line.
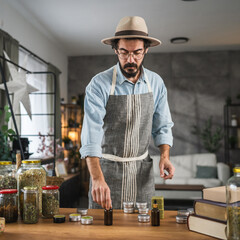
x,y
234,222
50,205
34,178
30,213
9,210
8,182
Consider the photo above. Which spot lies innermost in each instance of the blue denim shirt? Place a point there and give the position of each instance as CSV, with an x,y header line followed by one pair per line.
x,y
97,94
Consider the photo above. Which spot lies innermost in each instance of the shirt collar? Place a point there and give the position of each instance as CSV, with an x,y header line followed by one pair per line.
x,y
121,78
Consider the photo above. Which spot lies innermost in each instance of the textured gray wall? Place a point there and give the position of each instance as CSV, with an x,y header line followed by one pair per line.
x,y
197,82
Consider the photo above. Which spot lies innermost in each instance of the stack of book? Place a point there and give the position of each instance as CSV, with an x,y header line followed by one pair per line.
x,y
210,213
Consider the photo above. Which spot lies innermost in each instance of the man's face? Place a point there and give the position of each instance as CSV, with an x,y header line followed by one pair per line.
x,y
130,54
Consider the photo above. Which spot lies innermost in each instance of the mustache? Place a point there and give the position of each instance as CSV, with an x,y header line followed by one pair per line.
x,y
130,65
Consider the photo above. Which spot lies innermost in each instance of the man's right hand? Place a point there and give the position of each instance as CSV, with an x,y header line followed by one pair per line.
x,y
101,193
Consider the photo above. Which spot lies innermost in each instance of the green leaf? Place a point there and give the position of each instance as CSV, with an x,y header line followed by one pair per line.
x,y
11,131
4,128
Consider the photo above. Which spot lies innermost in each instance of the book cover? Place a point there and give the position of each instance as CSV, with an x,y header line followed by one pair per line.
x,y
210,209
218,194
207,226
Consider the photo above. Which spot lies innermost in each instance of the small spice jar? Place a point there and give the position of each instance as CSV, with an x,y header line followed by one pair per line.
x,y
30,205
9,205
141,205
143,210
108,217
50,201
82,211
143,218
59,218
128,210
128,204
74,217
2,224
86,220
7,175
182,216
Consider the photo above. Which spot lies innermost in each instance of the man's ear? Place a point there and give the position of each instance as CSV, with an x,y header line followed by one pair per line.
x,y
115,51
146,50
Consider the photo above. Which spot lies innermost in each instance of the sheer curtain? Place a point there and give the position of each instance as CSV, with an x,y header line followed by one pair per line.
x,y
42,120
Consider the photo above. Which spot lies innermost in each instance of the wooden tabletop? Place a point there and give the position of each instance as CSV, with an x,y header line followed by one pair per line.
x,y
125,226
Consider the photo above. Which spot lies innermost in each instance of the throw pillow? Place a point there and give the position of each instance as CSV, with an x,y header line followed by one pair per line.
x,y
206,172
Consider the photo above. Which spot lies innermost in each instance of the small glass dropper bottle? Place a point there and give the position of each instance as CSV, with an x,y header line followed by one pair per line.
x,y
108,217
155,214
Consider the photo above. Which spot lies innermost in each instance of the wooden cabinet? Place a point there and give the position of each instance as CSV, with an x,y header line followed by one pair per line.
x,y
232,134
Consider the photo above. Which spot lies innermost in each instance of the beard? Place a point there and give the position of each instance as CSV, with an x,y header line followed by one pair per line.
x,y
132,72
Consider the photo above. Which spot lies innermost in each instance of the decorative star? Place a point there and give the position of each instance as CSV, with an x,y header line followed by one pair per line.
x,y
19,87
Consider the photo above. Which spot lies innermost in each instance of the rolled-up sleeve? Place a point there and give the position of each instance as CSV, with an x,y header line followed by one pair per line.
x,y
92,129
162,120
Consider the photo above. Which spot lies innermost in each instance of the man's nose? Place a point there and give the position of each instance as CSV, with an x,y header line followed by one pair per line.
x,y
131,58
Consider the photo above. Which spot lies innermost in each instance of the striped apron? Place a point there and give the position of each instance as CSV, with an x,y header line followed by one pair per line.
x,y
126,164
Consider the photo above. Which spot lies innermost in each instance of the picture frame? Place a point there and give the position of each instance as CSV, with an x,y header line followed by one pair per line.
x,y
60,169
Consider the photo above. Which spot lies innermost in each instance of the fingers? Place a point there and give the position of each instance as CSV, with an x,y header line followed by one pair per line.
x,y
102,196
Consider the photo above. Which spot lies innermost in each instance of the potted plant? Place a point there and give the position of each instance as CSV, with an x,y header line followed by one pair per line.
x,y
6,135
211,138
67,143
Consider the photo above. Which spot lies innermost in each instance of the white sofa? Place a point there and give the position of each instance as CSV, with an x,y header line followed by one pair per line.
x,y
185,174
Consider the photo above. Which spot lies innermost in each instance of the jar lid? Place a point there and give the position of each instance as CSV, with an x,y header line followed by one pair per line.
x,y
82,211
143,218
87,220
128,210
50,187
5,162
74,217
31,161
8,191
128,204
236,170
141,204
181,219
183,213
59,218
143,210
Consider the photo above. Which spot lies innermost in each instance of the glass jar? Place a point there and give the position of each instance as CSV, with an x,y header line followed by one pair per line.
x,y
234,121
233,205
9,205
7,175
31,174
30,205
50,201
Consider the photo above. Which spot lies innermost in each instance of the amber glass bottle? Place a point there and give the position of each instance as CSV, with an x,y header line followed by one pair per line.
x,y
155,215
108,217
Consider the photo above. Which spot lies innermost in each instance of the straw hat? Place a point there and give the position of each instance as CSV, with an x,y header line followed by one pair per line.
x,y
132,27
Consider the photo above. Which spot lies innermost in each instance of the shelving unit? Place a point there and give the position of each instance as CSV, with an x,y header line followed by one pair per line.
x,y
231,134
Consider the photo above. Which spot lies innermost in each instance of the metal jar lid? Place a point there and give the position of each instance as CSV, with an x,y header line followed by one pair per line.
x,y
143,218
191,211
59,218
141,204
82,211
86,220
181,219
128,210
143,210
183,213
128,204
74,217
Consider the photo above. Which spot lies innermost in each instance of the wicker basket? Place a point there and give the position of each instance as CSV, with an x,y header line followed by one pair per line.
x,y
55,180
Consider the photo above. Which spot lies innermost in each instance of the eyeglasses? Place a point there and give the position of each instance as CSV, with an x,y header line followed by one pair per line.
x,y
136,55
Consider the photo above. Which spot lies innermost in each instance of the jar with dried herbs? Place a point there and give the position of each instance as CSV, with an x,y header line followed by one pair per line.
x,y
30,205
31,174
9,205
50,201
7,175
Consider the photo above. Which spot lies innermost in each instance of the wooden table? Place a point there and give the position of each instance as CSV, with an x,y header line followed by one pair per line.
x,y
125,226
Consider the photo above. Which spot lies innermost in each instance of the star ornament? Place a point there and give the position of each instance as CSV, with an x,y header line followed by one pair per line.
x,y
19,87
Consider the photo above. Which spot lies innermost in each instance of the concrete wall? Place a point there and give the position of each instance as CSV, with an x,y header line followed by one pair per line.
x,y
197,82
15,23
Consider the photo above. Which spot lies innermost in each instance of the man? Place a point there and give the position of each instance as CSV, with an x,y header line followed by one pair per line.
x,y
124,106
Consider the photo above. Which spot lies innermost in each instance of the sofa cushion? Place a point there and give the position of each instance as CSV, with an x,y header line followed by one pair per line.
x,y
206,172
